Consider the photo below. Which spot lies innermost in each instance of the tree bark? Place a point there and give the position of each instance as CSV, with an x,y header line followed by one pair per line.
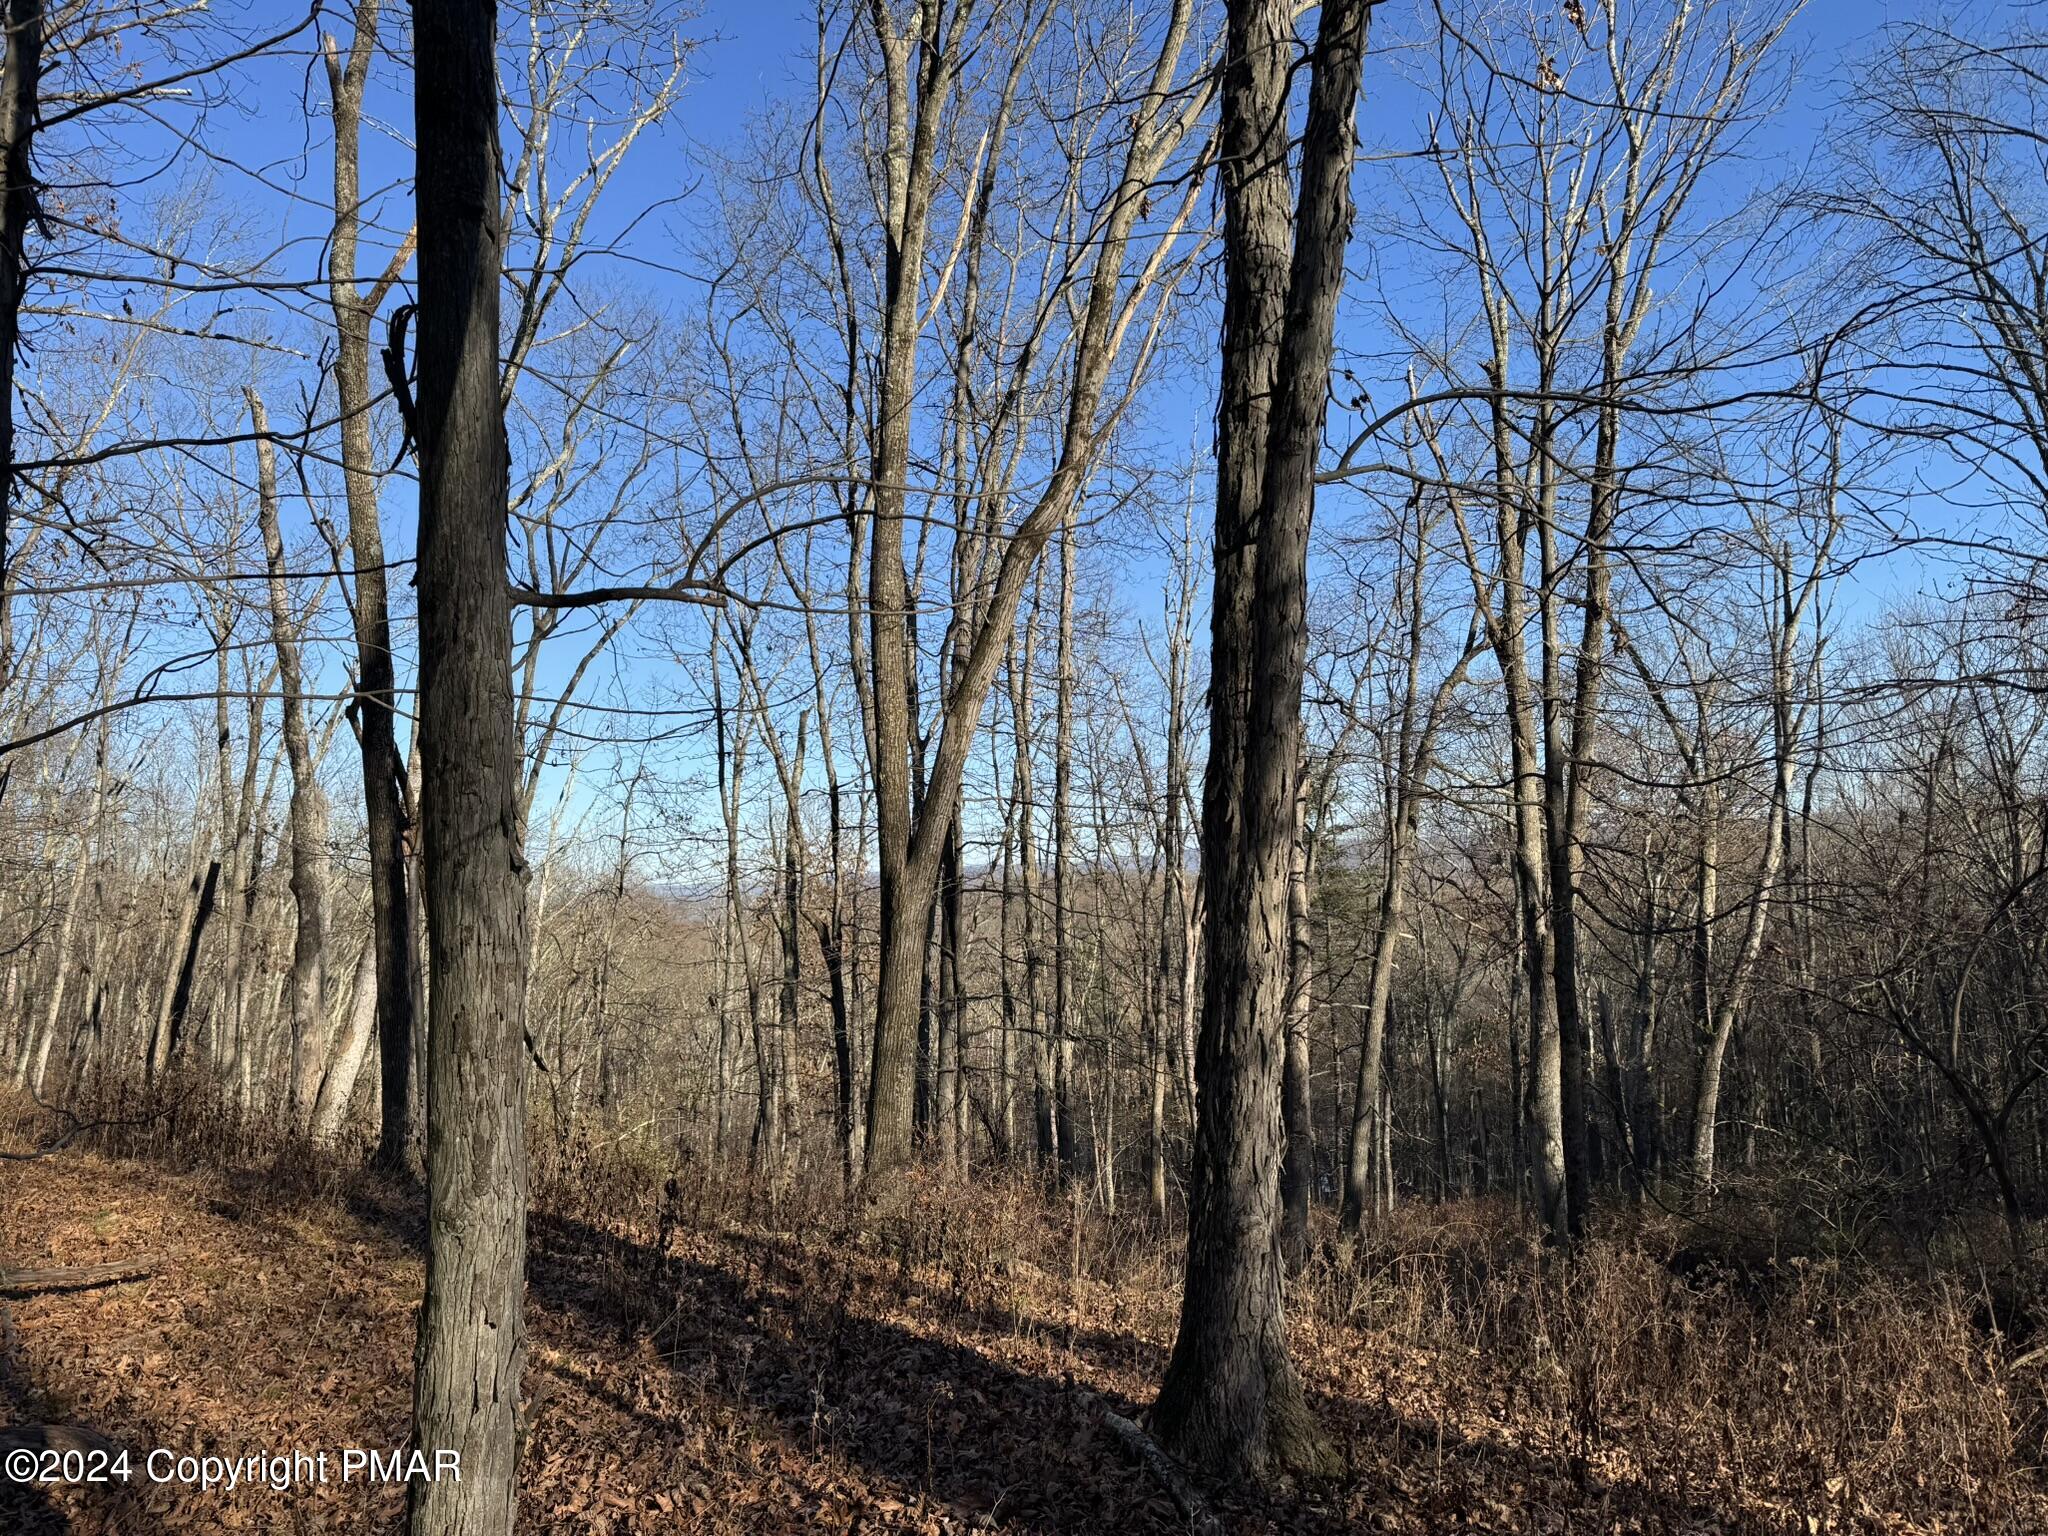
x,y
376,672
472,1341
169,1038
20,84
1231,1400
345,1064
307,811
1297,1168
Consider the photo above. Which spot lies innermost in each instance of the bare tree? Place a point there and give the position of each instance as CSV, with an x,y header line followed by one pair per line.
x,y
922,59
308,810
1230,1398
472,1338
383,768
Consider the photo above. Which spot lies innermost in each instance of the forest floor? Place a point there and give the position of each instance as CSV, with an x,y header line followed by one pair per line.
x,y
699,1367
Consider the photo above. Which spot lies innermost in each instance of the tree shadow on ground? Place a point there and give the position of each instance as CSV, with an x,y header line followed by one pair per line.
x,y
784,1341
28,1508
24,1508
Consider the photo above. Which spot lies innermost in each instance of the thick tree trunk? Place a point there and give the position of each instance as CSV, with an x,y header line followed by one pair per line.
x,y
1231,1400
472,1337
906,895
20,84
905,889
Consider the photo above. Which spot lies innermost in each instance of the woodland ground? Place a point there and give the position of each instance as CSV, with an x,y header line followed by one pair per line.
x,y
703,1362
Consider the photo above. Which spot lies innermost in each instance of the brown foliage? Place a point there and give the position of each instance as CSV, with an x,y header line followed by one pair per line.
x,y
703,1360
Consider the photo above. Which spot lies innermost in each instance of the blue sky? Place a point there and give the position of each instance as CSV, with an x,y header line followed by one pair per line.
x,y
271,164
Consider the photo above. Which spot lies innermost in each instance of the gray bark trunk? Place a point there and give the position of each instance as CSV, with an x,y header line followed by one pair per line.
x,y
307,811
338,1085
1231,1400
472,1337
383,769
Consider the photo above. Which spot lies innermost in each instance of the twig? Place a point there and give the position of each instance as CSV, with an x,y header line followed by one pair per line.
x,y
77,1127
1163,1467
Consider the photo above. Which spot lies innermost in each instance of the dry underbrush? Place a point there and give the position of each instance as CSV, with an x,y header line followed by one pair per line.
x,y
1816,1388
938,1361
1698,1358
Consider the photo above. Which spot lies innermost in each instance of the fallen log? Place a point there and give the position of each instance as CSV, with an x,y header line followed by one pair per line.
x,y
75,1277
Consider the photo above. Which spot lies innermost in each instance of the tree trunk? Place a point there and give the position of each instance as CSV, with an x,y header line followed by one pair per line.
x,y
307,812
37,1045
20,85
1231,1400
1044,1126
952,1001
472,1338
1076,1153
383,770
1735,991
169,1038
345,1065
790,995
1297,1168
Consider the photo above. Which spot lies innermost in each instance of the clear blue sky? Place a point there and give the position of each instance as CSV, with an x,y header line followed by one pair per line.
x,y
269,159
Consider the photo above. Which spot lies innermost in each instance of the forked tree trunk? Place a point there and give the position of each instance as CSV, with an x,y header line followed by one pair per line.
x,y
472,1336
921,62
